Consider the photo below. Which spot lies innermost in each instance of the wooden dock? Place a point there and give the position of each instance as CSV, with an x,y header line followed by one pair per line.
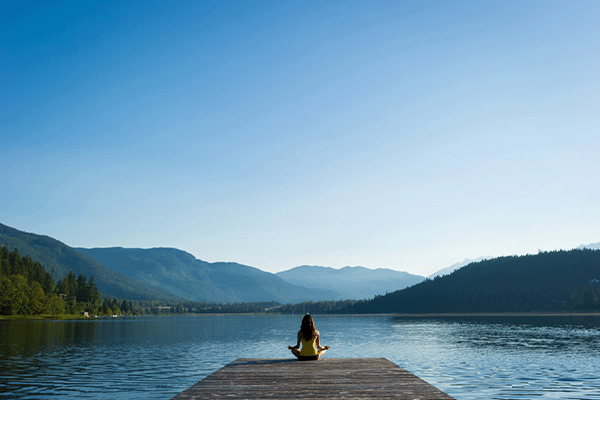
x,y
325,379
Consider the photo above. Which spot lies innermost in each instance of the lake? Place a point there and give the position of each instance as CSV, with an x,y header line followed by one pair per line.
x,y
471,357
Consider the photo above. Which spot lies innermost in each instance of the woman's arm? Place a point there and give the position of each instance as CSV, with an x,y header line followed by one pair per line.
x,y
318,344
297,343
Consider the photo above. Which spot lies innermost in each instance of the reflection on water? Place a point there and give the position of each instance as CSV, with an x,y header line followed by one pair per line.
x,y
157,357
515,357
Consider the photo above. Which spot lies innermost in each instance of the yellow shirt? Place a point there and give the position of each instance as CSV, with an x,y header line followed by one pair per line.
x,y
309,347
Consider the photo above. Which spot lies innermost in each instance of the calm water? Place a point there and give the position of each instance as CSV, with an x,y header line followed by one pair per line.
x,y
158,357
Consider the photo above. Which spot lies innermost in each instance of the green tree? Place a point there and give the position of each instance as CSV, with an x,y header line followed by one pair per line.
x,y
95,296
20,302
68,287
55,305
37,298
82,291
589,298
106,308
6,295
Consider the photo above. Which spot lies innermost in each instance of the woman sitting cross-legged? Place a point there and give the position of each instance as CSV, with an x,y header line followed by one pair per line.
x,y
309,337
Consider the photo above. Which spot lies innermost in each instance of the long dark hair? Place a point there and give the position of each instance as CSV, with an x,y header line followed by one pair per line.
x,y
308,329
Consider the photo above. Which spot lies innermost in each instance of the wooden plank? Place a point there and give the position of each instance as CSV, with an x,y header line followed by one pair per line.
x,y
328,378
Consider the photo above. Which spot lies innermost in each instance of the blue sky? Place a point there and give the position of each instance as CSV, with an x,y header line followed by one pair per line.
x,y
406,135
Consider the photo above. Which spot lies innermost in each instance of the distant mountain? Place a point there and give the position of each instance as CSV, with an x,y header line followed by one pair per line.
x,y
57,256
450,269
182,275
351,282
590,246
159,273
547,281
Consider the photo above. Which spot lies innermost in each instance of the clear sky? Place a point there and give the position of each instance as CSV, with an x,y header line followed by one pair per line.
x,y
401,134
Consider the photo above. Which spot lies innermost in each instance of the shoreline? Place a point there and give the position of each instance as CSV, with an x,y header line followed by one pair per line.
x,y
503,314
396,315
63,317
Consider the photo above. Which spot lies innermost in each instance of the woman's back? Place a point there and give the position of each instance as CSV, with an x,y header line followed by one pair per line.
x,y
308,336
309,347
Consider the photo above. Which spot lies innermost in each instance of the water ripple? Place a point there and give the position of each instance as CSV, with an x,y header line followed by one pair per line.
x,y
156,358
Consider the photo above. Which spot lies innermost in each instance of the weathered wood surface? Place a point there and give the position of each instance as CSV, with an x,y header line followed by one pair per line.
x,y
333,378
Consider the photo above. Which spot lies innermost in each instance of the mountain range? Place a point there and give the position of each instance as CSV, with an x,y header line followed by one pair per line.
x,y
172,274
351,282
184,276
590,246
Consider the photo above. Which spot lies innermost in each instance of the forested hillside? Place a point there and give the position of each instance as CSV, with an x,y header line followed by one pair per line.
x,y
163,274
61,259
26,288
546,281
